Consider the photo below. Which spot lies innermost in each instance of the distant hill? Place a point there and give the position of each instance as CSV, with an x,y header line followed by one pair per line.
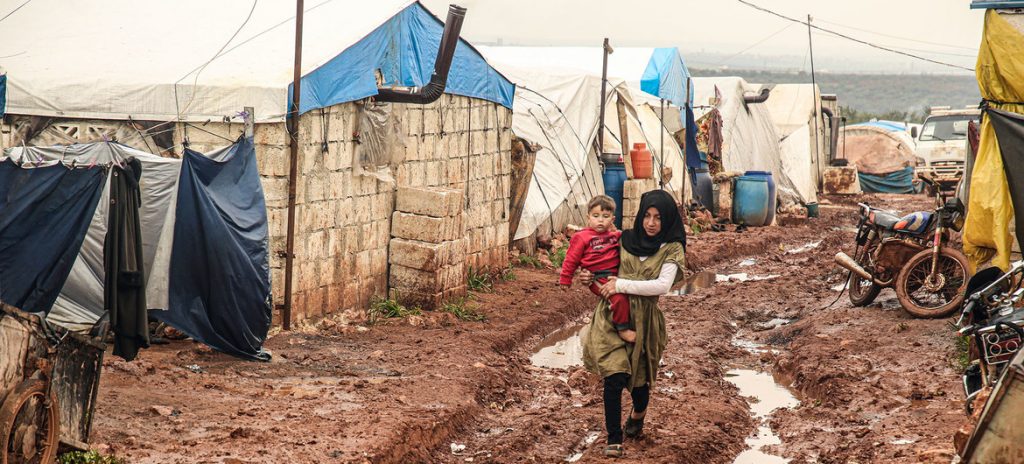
x,y
873,93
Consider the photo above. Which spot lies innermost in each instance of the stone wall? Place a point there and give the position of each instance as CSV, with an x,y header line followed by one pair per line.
x,y
344,220
632,190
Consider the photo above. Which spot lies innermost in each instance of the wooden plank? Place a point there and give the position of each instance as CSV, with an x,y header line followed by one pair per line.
x,y
998,436
15,340
524,157
620,107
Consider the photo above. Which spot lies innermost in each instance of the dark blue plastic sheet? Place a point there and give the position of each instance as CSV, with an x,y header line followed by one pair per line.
x,y
220,271
901,181
3,93
44,215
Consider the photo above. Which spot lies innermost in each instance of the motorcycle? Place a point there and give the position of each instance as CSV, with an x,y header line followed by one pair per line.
x,y
909,254
992,320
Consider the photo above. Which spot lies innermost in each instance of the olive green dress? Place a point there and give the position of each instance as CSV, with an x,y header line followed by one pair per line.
x,y
604,353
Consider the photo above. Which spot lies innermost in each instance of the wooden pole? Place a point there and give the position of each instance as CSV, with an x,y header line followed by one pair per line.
x,y
624,135
293,170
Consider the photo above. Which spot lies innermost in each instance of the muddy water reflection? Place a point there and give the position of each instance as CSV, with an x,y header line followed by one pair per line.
x,y
768,396
695,282
562,349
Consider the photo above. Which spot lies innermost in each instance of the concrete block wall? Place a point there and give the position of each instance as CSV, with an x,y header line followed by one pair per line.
x,y
632,190
428,248
344,221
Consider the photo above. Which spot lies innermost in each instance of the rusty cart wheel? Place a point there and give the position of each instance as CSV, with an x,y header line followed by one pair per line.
x,y
29,425
927,296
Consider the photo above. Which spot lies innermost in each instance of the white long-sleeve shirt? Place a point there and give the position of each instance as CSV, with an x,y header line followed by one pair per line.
x,y
657,287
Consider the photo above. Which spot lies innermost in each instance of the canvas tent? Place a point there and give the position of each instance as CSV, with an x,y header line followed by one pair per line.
x,y
794,108
883,153
166,61
203,238
558,108
995,195
749,139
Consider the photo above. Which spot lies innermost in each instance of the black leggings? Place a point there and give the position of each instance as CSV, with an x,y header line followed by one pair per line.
x,y
613,386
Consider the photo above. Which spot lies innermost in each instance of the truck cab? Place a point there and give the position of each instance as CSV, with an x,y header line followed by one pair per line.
x,y
942,144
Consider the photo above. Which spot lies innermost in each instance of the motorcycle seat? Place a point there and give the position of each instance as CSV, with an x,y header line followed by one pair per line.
x,y
884,219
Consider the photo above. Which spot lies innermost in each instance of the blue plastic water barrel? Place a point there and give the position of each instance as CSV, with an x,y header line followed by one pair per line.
x,y
614,177
772,198
750,201
703,188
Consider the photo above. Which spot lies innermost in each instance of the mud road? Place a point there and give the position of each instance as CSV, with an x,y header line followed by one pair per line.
x,y
868,384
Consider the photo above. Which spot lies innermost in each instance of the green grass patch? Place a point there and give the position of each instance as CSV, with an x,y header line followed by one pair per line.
x,y
387,308
527,260
461,308
88,457
479,280
558,256
508,274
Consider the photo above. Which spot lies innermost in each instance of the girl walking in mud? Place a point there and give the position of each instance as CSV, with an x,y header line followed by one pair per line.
x,y
652,260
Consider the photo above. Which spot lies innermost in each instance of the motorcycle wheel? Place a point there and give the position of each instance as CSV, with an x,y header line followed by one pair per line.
x,y
912,289
862,291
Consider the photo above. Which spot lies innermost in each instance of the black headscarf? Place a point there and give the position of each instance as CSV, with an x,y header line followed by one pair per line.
x,y
636,240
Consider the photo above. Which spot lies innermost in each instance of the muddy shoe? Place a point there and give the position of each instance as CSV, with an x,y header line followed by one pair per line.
x,y
614,451
634,428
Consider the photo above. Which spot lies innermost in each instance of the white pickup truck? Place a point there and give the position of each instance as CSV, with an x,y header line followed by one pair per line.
x,y
942,144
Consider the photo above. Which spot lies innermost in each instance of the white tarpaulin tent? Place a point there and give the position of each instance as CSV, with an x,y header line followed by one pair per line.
x,y
558,108
792,108
196,60
749,139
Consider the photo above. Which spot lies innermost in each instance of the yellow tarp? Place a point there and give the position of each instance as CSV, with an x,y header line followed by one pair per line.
x,y
1000,74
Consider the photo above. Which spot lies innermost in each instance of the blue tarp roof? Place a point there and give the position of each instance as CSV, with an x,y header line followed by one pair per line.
x,y
977,4
891,126
404,49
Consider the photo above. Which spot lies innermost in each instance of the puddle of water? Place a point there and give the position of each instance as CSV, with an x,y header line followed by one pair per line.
x,y
752,347
803,248
839,287
562,349
903,441
777,322
695,282
582,446
744,277
768,396
748,262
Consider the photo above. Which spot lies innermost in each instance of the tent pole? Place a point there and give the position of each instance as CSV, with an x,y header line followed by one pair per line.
x,y
816,103
293,170
605,50
661,151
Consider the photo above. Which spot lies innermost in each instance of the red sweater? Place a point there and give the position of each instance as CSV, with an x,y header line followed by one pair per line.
x,y
591,251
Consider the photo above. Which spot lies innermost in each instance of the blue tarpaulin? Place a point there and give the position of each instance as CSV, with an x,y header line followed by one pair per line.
x,y
404,50
666,76
220,270
901,181
3,93
44,214
977,4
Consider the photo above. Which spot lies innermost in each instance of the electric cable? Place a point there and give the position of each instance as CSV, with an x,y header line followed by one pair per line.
x,y
853,39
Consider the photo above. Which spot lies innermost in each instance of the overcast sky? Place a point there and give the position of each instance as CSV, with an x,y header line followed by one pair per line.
x,y
945,30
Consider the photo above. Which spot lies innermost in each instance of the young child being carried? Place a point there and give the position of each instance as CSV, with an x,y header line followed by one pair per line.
x,y
596,249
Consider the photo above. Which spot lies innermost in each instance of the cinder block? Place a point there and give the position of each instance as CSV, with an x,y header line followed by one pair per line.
x,y
434,202
426,228
428,281
426,256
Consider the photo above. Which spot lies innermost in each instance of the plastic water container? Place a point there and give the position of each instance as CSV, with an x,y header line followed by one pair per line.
x,y
640,156
772,198
750,201
703,188
614,177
